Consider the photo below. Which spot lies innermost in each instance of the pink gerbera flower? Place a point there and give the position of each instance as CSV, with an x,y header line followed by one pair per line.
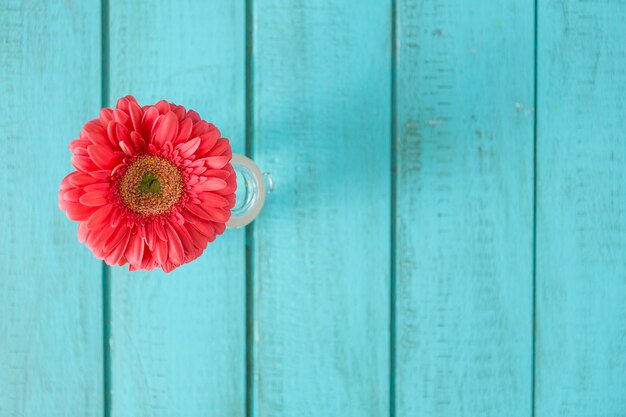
x,y
153,185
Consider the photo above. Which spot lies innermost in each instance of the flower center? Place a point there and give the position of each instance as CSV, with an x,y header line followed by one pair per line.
x,y
151,186
149,183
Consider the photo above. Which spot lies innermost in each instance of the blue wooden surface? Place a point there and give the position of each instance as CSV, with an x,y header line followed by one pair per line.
x,y
435,244
178,341
321,117
50,286
464,293
581,209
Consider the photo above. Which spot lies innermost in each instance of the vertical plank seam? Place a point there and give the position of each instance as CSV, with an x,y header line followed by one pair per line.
x,y
106,273
535,179
249,232
393,215
106,336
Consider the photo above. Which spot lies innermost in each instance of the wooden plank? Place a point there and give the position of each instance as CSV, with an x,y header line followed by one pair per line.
x,y
464,290
321,246
50,284
178,341
581,229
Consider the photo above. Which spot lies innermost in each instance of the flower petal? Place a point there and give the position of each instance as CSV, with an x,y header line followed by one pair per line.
x,y
201,127
138,141
147,122
200,241
208,142
166,131
101,174
117,253
185,239
198,211
106,115
201,225
213,200
219,228
188,148
116,237
83,163
65,182
99,186
218,173
122,103
115,217
212,184
94,198
134,250
222,147
76,211
100,217
78,179
82,232
72,195
168,267
193,115
102,157
136,115
122,118
150,235
163,107
179,111
184,130
95,131
147,262
159,230
217,162
122,132
127,149
160,251
79,146
112,133
95,241
175,246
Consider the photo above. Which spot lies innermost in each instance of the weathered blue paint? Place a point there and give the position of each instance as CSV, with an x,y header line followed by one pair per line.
x,y
581,209
50,299
178,341
503,292
321,84
464,293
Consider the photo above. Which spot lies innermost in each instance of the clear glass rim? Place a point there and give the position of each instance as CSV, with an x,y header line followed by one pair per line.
x,y
250,176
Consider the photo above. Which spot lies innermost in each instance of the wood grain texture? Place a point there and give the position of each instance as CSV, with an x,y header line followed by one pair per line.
x,y
50,284
581,229
178,341
464,290
322,128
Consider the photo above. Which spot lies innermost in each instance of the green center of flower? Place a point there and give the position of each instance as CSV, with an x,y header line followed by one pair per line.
x,y
149,184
